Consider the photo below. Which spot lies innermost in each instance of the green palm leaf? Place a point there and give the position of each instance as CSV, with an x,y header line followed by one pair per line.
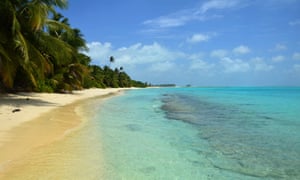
x,y
7,68
60,52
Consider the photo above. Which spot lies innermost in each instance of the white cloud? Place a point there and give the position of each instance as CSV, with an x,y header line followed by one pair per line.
x,y
201,65
296,56
218,53
263,67
182,17
196,38
260,65
155,62
234,65
168,21
218,4
196,56
146,62
278,58
241,50
162,66
134,54
176,19
279,47
295,22
99,51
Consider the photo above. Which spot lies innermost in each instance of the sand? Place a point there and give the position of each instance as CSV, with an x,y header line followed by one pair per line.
x,y
31,120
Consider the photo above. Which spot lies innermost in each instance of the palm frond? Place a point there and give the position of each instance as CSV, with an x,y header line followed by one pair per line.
x,y
43,63
32,15
59,28
21,46
31,73
7,68
59,3
61,52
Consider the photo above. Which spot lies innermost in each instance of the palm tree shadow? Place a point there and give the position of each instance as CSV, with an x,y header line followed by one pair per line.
x,y
23,100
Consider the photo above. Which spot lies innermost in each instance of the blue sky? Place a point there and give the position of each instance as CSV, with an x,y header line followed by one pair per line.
x,y
198,42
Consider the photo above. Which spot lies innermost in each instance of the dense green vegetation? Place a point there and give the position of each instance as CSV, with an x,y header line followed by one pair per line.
x,y
40,51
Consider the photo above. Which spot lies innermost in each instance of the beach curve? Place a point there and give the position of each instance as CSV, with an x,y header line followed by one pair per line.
x,y
31,120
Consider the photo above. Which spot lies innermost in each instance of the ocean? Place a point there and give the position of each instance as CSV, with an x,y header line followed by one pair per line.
x,y
180,133
202,133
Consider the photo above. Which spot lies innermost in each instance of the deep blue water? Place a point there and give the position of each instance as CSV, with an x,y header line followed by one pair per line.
x,y
201,133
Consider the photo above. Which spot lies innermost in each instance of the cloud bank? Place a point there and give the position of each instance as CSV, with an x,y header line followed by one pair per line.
x,y
153,62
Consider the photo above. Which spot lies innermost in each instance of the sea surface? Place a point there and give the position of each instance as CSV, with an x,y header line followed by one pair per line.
x,y
183,133
202,133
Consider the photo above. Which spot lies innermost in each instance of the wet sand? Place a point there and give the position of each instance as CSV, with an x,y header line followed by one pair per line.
x,y
43,119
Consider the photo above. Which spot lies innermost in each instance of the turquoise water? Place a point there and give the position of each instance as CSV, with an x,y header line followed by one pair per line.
x,y
201,133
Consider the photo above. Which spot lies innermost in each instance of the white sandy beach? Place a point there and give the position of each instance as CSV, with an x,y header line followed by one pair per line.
x,y
32,105
40,118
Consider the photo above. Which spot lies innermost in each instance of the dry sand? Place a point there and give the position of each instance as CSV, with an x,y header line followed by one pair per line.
x,y
31,120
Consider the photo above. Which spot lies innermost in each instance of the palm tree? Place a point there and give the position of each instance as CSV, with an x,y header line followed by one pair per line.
x,y
74,70
37,52
21,36
13,47
111,60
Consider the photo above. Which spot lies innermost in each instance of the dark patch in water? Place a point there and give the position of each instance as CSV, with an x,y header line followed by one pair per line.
x,y
246,104
133,127
265,117
241,164
239,137
246,173
195,111
148,170
195,162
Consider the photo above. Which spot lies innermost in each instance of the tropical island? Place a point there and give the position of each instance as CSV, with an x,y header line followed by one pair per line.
x,y
68,109
45,75
41,52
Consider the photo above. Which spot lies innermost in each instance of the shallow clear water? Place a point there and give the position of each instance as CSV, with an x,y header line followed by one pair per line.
x,y
202,133
179,133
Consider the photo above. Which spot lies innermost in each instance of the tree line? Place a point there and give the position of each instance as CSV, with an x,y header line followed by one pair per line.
x,y
40,51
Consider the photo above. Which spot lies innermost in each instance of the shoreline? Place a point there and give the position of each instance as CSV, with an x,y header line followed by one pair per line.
x,y
43,119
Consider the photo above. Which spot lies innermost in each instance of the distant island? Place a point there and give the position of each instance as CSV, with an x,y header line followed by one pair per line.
x,y
163,85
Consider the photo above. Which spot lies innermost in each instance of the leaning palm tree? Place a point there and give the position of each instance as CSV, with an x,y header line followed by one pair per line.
x,y
21,28
13,47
